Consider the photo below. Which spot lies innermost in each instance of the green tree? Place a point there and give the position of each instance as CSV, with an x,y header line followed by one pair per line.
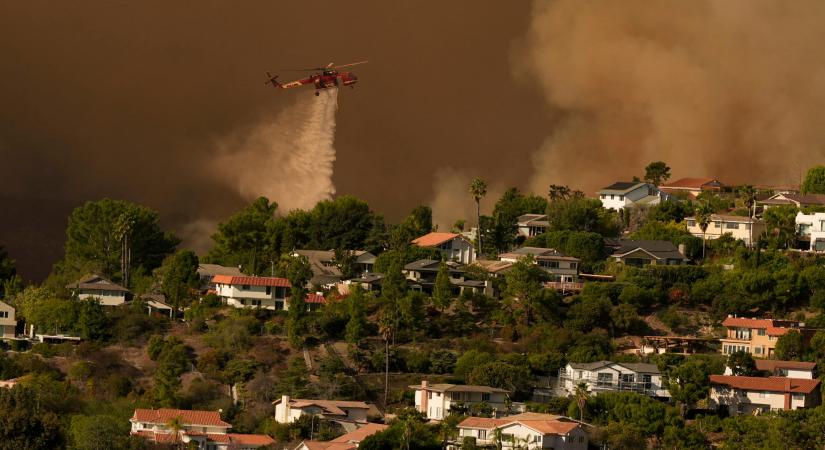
x,y
478,189
92,323
344,222
180,277
8,274
468,361
357,324
294,381
789,346
688,383
246,239
443,290
657,172
742,364
502,375
95,238
581,214
703,215
100,432
814,181
780,224
24,424
558,192
298,271
581,395
173,361
525,294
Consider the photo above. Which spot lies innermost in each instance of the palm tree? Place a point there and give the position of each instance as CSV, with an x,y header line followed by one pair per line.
x,y
176,425
703,215
749,197
478,188
498,437
581,395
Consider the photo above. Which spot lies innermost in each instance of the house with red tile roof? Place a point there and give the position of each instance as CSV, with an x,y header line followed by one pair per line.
x,y
201,429
453,246
758,336
348,441
750,395
788,369
259,292
527,430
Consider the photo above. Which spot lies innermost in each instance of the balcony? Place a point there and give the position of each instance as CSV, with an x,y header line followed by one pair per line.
x,y
596,385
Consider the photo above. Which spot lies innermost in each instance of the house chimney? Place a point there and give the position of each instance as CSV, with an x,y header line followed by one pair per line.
x,y
425,396
682,249
285,403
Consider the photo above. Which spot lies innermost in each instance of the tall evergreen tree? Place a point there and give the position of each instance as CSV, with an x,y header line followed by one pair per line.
x,y
443,290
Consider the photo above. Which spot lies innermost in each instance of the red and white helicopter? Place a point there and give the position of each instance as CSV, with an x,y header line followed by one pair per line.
x,y
328,77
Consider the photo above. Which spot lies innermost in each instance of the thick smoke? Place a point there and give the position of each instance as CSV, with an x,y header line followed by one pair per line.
x,y
289,159
732,89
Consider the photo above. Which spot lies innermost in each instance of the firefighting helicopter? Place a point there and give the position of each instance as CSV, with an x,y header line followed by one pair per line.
x,y
328,77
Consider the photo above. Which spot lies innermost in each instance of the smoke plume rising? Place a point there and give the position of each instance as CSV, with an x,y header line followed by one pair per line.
x,y
452,200
288,159
732,89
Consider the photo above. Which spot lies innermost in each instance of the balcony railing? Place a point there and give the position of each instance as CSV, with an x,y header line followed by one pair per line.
x,y
596,384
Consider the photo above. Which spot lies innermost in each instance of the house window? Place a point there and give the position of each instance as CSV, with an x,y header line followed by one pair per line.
x,y
648,381
691,223
268,290
245,287
482,434
604,196
581,439
743,333
604,379
4,314
485,397
799,397
612,196
732,226
621,197
717,224
757,350
763,394
628,378
760,331
580,374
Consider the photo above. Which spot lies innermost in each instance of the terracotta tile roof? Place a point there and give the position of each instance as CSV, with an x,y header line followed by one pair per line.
x,y
187,417
543,423
771,384
773,327
433,239
250,439
214,437
484,423
361,433
316,298
319,445
770,365
251,281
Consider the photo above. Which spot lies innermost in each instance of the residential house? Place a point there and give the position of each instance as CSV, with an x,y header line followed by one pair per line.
x,y
530,225
325,270
348,441
203,430
797,200
643,253
206,272
453,246
101,289
788,369
258,292
752,395
758,336
741,228
602,376
527,430
156,303
625,194
560,267
370,282
810,231
692,187
351,414
8,323
437,401
421,276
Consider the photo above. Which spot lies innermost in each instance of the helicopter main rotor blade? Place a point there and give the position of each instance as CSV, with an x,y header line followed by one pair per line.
x,y
351,64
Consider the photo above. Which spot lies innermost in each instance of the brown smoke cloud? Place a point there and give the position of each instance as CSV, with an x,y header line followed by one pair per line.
x,y
452,200
733,89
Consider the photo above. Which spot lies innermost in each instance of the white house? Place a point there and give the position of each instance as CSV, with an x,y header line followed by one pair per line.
x,y
348,441
99,288
560,267
288,410
624,194
741,228
253,292
453,246
787,369
527,430
602,376
437,401
530,225
749,395
811,228
7,321
203,430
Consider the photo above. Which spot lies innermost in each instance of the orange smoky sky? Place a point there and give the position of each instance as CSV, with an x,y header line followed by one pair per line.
x,y
137,100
